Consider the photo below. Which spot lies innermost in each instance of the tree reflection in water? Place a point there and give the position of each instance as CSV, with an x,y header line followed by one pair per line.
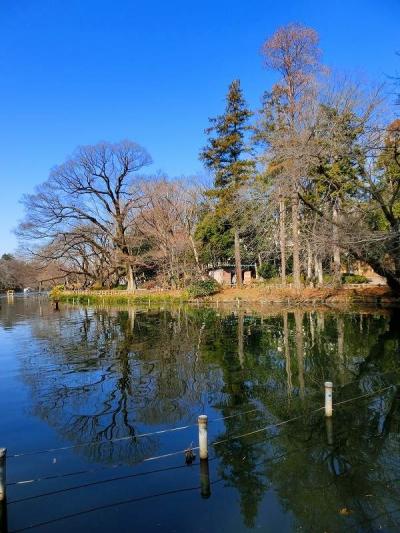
x,y
109,372
104,375
328,478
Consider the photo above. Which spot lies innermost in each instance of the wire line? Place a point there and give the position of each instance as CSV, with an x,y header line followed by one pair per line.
x,y
110,505
100,482
118,439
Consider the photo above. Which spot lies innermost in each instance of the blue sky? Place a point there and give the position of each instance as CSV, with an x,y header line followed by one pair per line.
x,y
76,72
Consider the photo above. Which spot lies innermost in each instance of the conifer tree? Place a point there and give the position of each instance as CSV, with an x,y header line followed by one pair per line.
x,y
225,155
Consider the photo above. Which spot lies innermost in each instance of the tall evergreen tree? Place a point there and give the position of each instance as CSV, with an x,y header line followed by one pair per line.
x,y
227,156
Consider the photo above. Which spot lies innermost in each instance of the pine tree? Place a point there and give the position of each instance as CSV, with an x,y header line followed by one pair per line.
x,y
225,155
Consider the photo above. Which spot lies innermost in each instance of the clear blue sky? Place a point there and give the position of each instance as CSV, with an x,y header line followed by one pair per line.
x,y
79,71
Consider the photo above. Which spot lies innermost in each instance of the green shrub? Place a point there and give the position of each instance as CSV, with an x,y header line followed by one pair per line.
x,y
99,287
267,270
354,278
290,279
276,280
203,287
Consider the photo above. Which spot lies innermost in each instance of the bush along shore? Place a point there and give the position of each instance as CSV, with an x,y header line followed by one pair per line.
x,y
210,293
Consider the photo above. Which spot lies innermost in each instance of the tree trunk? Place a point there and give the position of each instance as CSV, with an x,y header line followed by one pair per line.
x,y
319,274
335,248
295,238
309,264
196,256
257,266
282,238
238,261
392,280
392,275
376,264
131,278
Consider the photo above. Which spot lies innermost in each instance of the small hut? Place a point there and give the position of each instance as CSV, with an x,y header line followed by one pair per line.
x,y
225,274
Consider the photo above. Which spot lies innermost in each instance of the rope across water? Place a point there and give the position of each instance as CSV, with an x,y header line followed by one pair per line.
x,y
181,428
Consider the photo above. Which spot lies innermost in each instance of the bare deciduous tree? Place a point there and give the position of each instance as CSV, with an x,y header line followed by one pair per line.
x,y
169,220
93,189
293,52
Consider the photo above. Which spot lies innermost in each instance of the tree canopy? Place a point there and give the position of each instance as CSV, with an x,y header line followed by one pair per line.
x,y
309,184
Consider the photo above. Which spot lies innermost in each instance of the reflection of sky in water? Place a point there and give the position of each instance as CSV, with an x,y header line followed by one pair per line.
x,y
87,375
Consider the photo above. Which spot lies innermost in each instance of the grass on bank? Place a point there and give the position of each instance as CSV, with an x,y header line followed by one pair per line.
x,y
198,289
123,299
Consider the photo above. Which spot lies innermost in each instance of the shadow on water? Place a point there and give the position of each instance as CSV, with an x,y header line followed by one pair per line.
x,y
87,377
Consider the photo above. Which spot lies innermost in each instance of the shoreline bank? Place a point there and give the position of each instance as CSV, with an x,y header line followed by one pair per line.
x,y
342,296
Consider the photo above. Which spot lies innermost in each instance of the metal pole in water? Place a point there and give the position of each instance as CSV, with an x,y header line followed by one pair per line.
x,y
203,441
328,398
3,453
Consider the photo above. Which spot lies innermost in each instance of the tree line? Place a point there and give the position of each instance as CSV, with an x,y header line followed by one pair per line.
x,y
18,272
303,187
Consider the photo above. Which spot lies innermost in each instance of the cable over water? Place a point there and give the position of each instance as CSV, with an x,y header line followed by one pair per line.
x,y
110,505
128,437
172,430
180,452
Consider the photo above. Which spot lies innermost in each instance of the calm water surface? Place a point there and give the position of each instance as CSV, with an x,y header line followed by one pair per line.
x,y
93,380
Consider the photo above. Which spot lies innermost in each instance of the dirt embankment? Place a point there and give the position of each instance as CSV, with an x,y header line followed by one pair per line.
x,y
342,297
323,295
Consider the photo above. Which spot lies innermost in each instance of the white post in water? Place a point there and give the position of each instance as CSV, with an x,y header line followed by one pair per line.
x,y
328,398
3,452
203,444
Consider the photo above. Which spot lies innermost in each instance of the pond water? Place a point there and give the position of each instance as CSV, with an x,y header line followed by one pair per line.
x,y
80,387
